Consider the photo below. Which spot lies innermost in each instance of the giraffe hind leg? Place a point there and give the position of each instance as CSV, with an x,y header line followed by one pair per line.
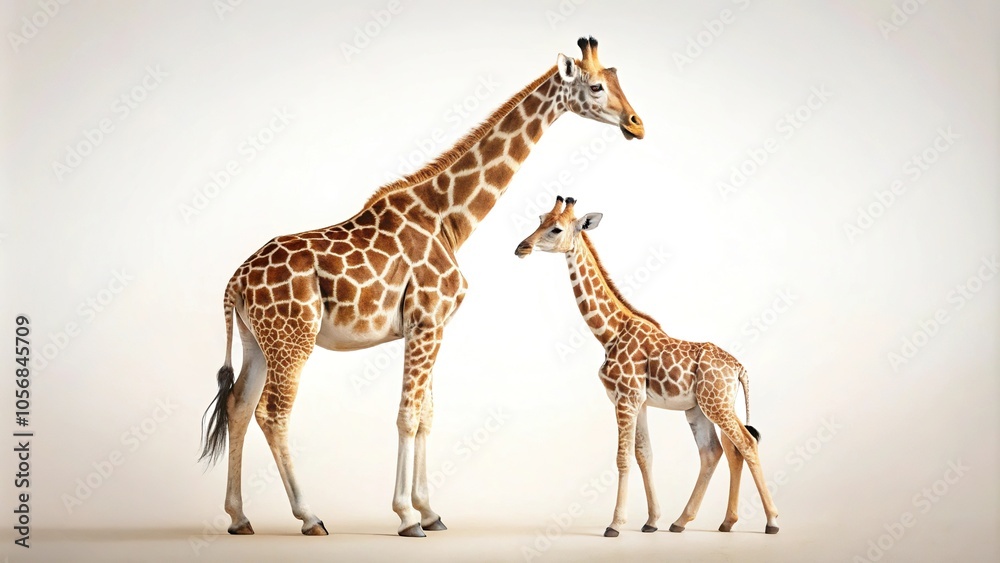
x,y
240,406
735,459
285,360
710,451
746,444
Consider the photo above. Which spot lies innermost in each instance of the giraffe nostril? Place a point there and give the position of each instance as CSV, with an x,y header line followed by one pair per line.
x,y
634,119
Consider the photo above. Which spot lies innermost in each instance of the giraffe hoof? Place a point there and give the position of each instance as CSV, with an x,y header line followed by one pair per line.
x,y
647,528
676,529
771,530
611,533
414,531
244,529
435,526
725,527
318,529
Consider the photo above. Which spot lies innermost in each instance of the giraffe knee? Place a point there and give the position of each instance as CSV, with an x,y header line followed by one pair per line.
x,y
712,454
408,422
623,464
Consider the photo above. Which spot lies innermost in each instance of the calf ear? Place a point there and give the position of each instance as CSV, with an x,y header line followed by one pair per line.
x,y
589,221
568,70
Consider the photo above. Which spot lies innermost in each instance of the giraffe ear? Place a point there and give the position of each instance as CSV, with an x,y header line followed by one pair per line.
x,y
541,218
568,70
589,221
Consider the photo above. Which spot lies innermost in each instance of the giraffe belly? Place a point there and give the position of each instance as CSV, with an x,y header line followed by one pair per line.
x,y
680,402
345,337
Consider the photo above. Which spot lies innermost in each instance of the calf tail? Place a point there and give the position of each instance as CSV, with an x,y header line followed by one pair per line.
x,y
745,382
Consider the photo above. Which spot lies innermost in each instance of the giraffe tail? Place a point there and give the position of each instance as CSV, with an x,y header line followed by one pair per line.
x,y
745,382
218,422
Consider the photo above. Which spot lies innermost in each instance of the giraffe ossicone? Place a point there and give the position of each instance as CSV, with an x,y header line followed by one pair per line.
x,y
388,272
644,367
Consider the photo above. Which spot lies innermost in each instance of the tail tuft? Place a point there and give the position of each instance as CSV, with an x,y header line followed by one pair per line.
x,y
753,432
218,422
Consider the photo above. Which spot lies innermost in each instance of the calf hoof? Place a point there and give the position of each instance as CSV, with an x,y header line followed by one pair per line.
x,y
771,530
676,529
725,527
244,529
647,528
435,526
317,529
611,533
414,531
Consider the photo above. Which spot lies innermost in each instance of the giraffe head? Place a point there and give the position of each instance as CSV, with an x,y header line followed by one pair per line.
x,y
594,92
559,229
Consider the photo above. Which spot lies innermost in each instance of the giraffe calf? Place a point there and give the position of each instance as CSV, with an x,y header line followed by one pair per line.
x,y
643,366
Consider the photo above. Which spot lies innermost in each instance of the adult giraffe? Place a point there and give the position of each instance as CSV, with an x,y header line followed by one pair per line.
x,y
389,272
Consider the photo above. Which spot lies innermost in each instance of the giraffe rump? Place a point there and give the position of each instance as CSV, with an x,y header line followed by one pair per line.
x,y
218,422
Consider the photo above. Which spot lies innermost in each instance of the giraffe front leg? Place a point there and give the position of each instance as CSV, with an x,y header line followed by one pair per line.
x,y
429,520
626,415
644,457
420,352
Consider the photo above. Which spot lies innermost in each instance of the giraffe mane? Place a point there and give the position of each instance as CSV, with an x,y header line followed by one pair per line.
x,y
462,146
611,285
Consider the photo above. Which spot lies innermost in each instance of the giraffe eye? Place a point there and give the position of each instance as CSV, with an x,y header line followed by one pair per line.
x,y
596,88
556,230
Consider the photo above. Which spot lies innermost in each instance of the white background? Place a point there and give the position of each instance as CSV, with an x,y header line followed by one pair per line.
x,y
515,353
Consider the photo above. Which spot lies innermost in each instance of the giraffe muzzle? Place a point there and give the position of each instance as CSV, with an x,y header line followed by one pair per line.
x,y
523,250
632,128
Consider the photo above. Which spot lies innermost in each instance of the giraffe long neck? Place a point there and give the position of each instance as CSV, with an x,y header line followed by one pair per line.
x,y
603,309
464,192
